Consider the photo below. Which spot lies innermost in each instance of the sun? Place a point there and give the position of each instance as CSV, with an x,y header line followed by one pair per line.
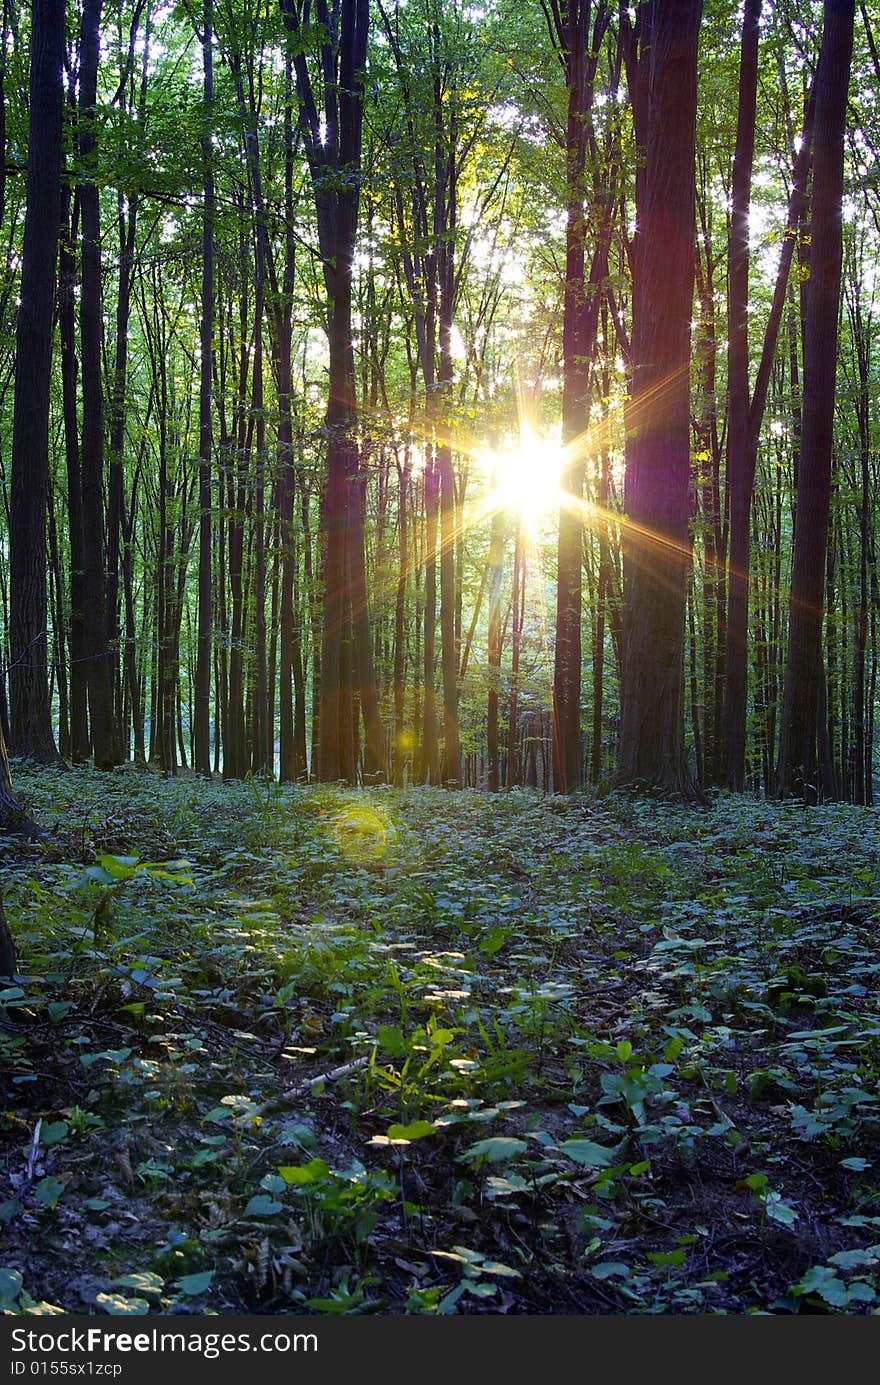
x,y
524,478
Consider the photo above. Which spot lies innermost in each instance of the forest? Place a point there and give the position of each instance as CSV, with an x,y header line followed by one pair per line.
x,y
438,656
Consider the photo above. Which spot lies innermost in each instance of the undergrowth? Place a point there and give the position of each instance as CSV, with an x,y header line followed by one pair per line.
x,y
319,1050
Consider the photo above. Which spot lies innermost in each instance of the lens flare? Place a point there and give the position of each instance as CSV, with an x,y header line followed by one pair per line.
x,y
524,478
362,835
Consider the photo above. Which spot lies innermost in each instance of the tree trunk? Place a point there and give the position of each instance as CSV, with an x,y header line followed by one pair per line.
x,y
401,746
495,566
105,749
332,142
31,716
740,458
202,720
579,52
657,552
79,705
430,752
803,669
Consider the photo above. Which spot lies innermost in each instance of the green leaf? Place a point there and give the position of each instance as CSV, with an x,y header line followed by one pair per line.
x,y
117,1305
144,1281
48,1191
824,1282
780,1210
502,1271
10,1287
299,1175
494,1150
119,867
192,1284
610,1269
391,1040
624,1050
57,1009
53,1132
588,1154
852,1259
262,1205
494,940
667,1258
417,1130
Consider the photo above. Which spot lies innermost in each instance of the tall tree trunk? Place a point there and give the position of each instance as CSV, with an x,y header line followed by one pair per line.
x,y
202,719
803,668
30,709
495,566
518,603
862,352
115,474
293,760
579,51
374,740
445,214
657,552
332,141
105,748
429,772
740,459
79,705
401,746
575,419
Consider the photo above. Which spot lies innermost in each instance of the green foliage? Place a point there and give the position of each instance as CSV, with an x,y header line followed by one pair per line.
x,y
302,1075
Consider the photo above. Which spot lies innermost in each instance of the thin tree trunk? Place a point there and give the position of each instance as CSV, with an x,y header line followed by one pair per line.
x,y
105,749
740,458
495,569
806,609
30,709
79,706
204,635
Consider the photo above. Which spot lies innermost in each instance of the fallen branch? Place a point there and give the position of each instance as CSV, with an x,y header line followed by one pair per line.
x,y
332,1076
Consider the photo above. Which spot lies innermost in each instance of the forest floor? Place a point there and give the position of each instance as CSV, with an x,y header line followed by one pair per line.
x,y
309,1050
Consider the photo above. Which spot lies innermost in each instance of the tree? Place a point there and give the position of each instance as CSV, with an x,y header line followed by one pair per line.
x,y
803,667
31,722
657,548
332,138
577,32
105,747
202,728
740,459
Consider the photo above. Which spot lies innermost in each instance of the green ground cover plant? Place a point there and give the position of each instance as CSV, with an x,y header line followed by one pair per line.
x,y
327,1050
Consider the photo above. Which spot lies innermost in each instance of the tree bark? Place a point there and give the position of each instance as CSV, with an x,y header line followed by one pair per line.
x,y
332,139
204,635
657,551
79,705
105,748
30,709
578,48
740,459
495,566
803,668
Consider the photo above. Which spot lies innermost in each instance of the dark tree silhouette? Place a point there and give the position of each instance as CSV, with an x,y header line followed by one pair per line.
x,y
657,552
30,712
803,668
